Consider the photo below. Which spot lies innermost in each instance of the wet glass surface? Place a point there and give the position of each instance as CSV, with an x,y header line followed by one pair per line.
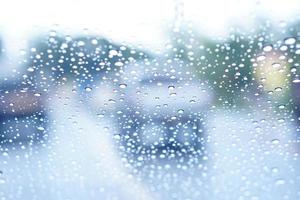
x,y
160,100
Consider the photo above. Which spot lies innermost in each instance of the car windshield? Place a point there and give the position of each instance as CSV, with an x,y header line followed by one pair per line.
x,y
150,100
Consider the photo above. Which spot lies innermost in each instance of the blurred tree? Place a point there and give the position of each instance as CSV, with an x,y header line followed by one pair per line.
x,y
226,65
55,60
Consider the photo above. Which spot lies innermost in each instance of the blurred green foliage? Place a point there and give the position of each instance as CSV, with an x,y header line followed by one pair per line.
x,y
224,64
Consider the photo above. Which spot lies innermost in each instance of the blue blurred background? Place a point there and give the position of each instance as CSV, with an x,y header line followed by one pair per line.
x,y
149,100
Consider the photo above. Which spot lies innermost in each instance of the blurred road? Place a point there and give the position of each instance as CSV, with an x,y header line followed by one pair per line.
x,y
250,155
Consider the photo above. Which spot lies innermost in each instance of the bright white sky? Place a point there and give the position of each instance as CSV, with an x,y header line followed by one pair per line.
x,y
132,21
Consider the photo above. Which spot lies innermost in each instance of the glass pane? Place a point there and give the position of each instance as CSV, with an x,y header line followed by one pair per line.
x,y
150,100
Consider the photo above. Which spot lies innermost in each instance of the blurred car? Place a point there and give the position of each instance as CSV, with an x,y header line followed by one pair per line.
x,y
22,114
161,108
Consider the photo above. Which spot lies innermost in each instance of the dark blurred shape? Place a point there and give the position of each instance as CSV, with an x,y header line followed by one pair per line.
x,y
162,110
22,114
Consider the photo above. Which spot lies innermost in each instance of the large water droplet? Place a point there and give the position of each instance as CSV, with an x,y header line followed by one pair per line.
x,y
122,85
290,41
268,48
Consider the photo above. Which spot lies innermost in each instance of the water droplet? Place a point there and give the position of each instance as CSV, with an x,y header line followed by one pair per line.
x,y
275,141
94,42
275,170
290,41
281,120
5,154
281,106
81,43
261,58
192,101
279,182
113,52
122,85
117,137
180,111
276,65
100,115
267,48
171,87
258,129
81,54
30,69
296,81
119,64
278,89
88,89
283,48
2,181
40,128
112,101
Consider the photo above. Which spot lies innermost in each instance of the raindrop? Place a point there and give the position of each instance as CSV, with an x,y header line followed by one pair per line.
x,y
81,43
2,181
123,85
275,141
281,106
281,120
117,137
5,154
119,64
94,42
88,89
290,41
276,65
279,182
113,52
275,170
268,48
100,115
30,69
40,128
112,101
192,101
283,48
171,87
81,54
261,58
278,89
180,111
